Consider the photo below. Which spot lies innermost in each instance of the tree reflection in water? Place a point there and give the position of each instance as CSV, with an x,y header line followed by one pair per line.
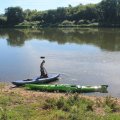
x,y
107,39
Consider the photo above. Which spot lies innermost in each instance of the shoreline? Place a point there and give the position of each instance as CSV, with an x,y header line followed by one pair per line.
x,y
60,26
20,104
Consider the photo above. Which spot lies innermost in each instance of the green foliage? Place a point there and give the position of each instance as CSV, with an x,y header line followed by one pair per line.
x,y
112,104
14,15
30,14
27,24
109,12
60,103
49,104
72,103
105,13
109,104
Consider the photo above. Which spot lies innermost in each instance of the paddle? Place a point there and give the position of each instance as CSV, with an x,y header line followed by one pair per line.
x,y
42,57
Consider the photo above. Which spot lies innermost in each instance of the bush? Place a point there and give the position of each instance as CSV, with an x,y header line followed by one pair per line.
x,y
49,104
27,24
61,103
112,104
67,23
3,21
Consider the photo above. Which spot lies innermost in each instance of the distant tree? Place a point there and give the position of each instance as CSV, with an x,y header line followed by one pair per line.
x,y
61,14
49,16
30,14
80,12
27,14
109,11
14,15
90,12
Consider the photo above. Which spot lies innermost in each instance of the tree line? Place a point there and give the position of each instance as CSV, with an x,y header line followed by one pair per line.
x,y
106,13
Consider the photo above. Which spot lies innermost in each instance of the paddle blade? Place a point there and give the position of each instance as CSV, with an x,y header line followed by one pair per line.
x,y
42,57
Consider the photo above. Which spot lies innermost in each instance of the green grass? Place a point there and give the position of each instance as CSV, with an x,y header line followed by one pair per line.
x,y
15,106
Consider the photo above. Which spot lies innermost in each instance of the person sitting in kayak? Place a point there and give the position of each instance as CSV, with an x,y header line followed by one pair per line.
x,y
43,70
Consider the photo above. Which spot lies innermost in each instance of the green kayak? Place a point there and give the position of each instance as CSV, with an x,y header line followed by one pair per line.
x,y
67,88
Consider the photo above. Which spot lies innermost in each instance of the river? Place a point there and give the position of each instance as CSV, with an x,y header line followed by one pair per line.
x,y
84,56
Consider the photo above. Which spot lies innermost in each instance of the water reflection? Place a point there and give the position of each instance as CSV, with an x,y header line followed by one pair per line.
x,y
107,39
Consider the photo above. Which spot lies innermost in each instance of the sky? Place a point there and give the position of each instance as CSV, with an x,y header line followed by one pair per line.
x,y
42,4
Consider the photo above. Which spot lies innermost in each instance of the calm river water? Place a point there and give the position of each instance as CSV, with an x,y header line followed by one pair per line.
x,y
82,56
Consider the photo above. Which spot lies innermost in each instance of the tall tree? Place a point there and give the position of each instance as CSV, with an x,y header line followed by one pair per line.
x,y
108,11
14,15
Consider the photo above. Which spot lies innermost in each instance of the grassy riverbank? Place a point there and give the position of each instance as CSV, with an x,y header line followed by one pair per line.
x,y
21,104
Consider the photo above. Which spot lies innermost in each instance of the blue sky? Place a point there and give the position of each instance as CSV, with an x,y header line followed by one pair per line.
x,y
42,4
